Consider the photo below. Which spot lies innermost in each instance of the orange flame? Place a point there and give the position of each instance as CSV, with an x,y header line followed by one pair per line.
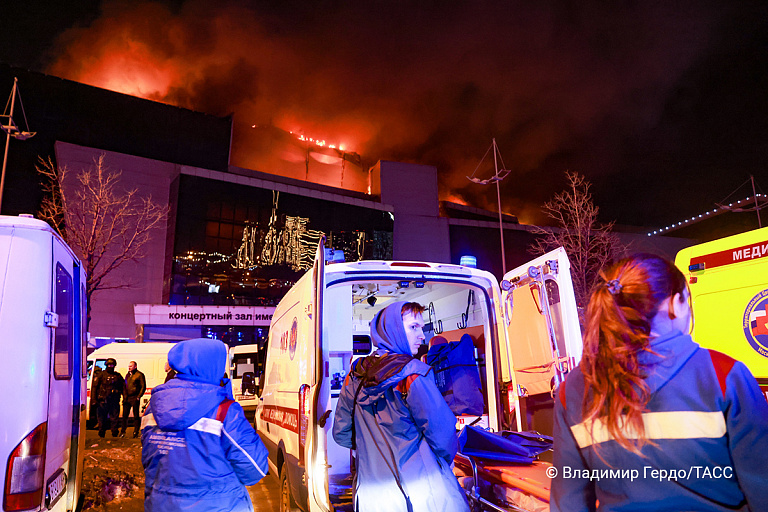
x,y
134,71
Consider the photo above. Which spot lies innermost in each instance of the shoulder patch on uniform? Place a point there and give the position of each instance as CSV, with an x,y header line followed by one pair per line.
x,y
221,412
561,394
723,365
405,385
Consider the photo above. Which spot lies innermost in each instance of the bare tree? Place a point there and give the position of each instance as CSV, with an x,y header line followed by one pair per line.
x,y
105,225
589,244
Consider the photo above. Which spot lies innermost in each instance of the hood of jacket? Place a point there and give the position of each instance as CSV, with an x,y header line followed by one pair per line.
x,y
200,384
665,356
388,332
383,370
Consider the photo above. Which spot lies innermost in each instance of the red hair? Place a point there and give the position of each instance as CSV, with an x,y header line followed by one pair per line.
x,y
412,307
619,316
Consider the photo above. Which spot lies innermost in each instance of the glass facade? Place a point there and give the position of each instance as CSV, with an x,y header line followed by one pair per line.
x,y
242,245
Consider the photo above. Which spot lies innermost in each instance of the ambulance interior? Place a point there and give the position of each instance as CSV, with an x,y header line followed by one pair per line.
x,y
454,314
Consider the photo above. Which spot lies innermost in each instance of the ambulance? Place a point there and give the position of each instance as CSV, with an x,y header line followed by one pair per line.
x,y
728,279
244,373
42,318
525,335
150,360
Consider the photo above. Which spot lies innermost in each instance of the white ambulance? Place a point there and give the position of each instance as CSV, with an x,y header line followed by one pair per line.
x,y
150,360
525,339
42,318
728,279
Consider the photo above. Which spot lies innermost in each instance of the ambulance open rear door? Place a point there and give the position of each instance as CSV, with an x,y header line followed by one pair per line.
x,y
543,336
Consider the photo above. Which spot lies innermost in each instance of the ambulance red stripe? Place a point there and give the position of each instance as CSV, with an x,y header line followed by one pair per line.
x,y
284,417
730,256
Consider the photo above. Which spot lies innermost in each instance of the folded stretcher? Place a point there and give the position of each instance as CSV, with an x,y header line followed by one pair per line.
x,y
499,473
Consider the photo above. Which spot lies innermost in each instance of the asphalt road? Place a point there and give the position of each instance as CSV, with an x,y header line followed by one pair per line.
x,y
121,458
266,494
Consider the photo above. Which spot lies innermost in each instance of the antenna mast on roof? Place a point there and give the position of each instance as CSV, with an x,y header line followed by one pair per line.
x,y
11,130
496,178
761,201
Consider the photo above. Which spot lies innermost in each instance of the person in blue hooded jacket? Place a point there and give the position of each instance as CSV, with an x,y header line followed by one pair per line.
x,y
649,420
391,412
198,450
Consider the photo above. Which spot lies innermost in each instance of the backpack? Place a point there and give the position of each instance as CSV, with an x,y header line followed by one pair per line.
x,y
456,376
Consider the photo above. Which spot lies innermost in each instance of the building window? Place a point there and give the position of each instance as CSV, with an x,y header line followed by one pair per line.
x,y
63,334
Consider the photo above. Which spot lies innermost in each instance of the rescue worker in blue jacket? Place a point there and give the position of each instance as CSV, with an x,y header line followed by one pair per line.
x,y
198,450
649,420
391,412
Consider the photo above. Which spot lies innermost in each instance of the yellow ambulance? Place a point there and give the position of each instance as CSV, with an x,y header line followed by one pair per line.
x,y
728,279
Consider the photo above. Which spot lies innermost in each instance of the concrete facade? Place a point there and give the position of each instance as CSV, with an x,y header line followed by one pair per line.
x,y
407,191
112,310
420,232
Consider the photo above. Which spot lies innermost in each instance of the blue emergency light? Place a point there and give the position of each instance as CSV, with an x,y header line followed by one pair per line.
x,y
468,261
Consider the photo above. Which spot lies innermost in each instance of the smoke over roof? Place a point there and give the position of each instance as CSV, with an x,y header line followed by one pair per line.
x,y
611,91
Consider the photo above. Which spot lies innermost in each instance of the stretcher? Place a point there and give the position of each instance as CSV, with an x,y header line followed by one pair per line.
x,y
503,487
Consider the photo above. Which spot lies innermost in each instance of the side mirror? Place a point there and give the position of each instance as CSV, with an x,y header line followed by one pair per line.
x,y
248,384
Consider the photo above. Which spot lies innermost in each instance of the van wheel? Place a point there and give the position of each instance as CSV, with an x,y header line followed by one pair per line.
x,y
287,503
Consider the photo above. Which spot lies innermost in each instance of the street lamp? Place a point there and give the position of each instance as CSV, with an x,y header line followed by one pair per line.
x,y
496,178
11,130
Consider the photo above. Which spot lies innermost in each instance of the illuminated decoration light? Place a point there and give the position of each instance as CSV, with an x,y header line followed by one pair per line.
x,y
293,245
468,261
723,208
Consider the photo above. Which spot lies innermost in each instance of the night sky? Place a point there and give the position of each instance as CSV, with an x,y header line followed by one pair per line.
x,y
662,105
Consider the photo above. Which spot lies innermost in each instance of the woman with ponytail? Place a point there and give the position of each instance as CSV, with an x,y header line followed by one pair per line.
x,y
649,420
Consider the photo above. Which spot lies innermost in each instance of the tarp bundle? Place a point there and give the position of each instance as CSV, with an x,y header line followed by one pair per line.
x,y
517,447
456,375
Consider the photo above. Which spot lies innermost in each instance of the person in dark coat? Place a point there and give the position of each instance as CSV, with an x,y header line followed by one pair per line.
x,y
198,449
135,387
392,413
108,387
169,372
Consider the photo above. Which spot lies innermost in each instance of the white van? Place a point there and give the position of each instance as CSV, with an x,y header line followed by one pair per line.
x,y
150,360
42,318
244,366
526,338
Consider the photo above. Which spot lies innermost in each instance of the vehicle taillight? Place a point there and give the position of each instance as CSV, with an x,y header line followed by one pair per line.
x,y
511,398
304,411
409,264
26,468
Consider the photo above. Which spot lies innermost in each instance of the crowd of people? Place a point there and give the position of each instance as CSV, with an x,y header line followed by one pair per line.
x,y
644,395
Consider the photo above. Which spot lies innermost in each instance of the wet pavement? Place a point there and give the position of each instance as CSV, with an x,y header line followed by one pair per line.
x,y
265,495
121,458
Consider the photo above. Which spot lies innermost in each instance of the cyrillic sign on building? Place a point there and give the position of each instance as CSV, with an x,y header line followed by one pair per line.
x,y
159,314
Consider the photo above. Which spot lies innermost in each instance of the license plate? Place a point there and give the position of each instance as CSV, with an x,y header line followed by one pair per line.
x,y
55,488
